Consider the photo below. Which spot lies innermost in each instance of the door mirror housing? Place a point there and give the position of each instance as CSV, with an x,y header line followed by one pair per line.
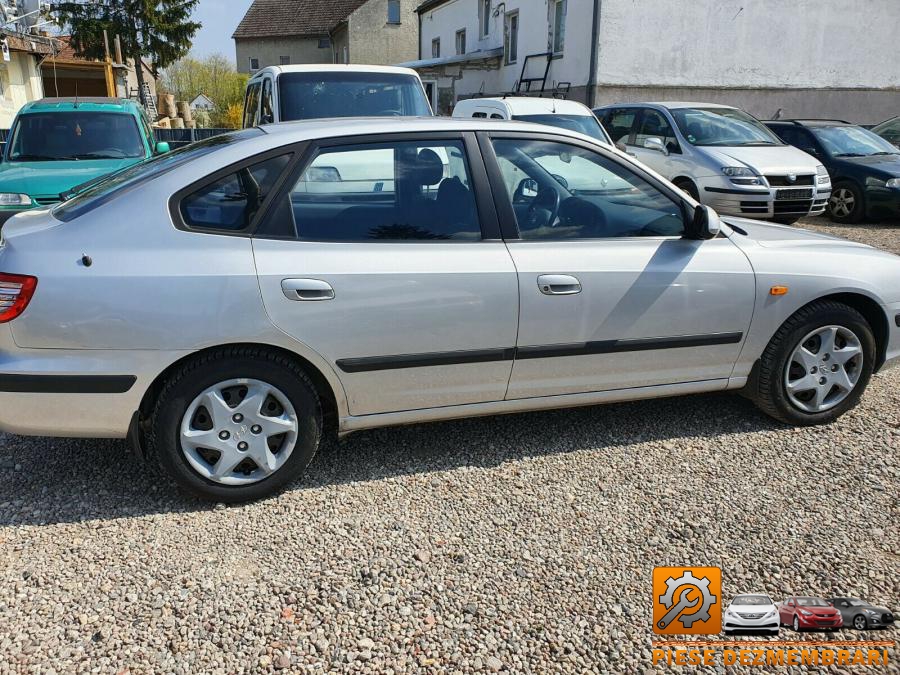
x,y
162,147
654,143
704,225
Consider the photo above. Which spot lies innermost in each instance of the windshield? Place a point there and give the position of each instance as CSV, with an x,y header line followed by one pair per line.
x,y
722,126
852,142
47,137
306,96
100,192
812,602
752,600
584,124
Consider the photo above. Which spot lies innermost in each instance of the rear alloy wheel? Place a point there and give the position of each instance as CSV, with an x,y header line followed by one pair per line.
x,y
817,366
236,425
846,203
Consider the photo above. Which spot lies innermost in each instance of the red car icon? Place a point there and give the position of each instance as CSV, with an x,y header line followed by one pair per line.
x,y
807,613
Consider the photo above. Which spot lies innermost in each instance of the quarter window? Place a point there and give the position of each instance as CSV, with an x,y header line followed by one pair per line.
x,y
381,192
230,203
560,191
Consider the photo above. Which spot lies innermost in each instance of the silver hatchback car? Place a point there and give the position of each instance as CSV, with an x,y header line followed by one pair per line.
x,y
227,304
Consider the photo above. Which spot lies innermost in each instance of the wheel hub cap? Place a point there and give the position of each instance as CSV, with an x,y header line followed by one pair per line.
x,y
823,369
238,432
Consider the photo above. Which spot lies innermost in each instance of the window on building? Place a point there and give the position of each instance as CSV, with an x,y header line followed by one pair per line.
x,y
324,43
393,11
484,17
511,38
254,64
461,41
558,25
284,60
436,48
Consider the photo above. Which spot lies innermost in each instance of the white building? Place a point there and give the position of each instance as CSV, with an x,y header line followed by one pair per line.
x,y
807,58
202,102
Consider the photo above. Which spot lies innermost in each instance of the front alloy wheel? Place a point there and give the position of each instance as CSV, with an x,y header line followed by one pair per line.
x,y
796,624
859,622
845,205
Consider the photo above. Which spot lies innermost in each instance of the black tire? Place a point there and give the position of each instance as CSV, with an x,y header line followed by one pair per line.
x,y
865,622
858,211
769,392
786,220
687,185
163,439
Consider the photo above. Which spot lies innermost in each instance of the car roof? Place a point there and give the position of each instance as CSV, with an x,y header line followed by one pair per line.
x,y
331,68
532,105
86,103
672,105
358,126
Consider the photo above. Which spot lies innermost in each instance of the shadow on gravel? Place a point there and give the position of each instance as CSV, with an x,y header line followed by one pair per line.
x,y
47,480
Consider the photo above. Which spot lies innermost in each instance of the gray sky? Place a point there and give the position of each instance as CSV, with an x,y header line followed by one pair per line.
x,y
219,19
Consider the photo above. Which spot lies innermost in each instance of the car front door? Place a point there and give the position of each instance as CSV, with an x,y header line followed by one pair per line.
x,y
786,612
612,295
384,255
665,158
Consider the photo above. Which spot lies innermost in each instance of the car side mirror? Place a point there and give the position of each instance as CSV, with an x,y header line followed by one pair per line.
x,y
162,147
654,143
704,225
528,188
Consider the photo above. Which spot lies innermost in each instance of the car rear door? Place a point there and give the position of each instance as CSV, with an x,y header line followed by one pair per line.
x,y
611,295
383,254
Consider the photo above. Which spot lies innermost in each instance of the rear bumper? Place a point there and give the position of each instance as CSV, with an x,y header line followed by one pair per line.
x,y
74,393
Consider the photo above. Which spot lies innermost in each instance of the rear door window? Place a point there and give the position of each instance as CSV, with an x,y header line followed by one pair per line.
x,y
619,124
406,190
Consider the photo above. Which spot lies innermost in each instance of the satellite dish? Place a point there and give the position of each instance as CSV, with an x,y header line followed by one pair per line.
x,y
30,11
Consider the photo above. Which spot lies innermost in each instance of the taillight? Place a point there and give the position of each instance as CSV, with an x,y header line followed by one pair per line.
x,y
16,291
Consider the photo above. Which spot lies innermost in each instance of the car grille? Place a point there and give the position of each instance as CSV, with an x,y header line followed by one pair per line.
x,y
782,181
794,206
754,207
44,200
799,193
747,615
824,621
887,617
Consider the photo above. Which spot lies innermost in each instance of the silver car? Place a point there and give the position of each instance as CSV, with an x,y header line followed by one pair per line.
x,y
227,304
722,157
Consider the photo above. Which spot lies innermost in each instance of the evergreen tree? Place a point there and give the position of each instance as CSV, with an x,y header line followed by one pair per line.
x,y
160,30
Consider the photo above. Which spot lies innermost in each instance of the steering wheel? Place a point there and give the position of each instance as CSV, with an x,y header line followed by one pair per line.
x,y
546,202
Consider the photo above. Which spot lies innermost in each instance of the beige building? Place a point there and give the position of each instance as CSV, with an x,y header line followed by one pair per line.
x,y
20,73
283,32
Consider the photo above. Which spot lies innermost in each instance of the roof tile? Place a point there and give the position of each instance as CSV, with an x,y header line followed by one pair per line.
x,y
285,18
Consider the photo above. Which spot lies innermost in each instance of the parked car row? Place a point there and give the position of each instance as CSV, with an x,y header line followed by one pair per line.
x,y
758,613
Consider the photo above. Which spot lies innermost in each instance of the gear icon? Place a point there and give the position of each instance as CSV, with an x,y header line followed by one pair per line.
x,y
688,579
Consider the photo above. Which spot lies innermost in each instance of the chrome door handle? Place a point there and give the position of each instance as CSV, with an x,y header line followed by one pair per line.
x,y
306,289
558,284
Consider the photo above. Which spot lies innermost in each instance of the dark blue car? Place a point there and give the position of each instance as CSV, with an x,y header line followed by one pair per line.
x,y
864,168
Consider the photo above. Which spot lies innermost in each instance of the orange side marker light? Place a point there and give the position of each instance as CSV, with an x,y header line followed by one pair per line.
x,y
778,290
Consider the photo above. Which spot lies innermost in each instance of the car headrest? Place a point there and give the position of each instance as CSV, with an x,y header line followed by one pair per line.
x,y
428,168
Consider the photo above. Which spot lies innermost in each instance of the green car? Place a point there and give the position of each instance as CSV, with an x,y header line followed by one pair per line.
x,y
56,144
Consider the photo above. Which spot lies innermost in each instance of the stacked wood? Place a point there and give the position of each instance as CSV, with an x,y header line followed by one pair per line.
x,y
163,123
184,111
168,107
176,122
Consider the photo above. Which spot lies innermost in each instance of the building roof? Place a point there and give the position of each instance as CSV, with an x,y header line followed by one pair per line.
x,y
288,18
430,4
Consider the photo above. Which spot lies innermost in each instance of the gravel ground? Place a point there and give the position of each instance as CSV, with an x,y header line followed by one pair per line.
x,y
521,543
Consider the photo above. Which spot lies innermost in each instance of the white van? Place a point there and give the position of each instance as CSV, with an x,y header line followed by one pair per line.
x,y
287,93
554,112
